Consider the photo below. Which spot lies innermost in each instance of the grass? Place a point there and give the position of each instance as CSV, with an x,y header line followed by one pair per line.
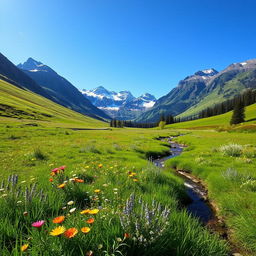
x,y
220,122
112,166
226,163
24,107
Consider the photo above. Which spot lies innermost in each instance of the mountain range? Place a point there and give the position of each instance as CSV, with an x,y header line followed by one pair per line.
x,y
119,105
192,94
203,89
60,89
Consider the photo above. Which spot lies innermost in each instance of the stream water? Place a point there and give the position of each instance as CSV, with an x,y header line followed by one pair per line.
x,y
198,205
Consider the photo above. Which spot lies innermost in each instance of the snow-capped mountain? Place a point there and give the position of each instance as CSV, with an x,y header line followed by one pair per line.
x,y
122,105
59,89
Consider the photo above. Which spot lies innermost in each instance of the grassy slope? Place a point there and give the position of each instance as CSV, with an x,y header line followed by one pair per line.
x,y
231,88
230,180
217,121
23,106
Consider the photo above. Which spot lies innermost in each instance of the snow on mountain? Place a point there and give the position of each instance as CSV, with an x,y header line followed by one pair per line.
x,y
34,66
118,104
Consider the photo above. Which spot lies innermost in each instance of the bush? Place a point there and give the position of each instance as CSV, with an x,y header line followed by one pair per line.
x,y
231,150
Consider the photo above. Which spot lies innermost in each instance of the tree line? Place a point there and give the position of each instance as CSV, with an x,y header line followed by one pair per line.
x,y
237,104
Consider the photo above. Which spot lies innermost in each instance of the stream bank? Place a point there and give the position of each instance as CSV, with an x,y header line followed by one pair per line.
x,y
199,204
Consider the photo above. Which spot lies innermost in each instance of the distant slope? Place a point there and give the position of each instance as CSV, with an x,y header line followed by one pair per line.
x,y
60,89
217,121
180,98
224,90
9,72
204,89
119,105
18,105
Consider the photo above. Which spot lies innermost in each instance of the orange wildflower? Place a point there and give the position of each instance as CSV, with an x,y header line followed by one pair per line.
x,y
62,185
71,232
24,247
126,235
79,180
100,165
90,221
85,230
51,179
59,219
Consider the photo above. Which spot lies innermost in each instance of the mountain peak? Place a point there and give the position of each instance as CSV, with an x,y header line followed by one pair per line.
x,y
30,64
148,96
207,72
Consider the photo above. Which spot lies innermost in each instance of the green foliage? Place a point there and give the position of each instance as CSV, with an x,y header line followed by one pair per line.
x,y
162,124
238,114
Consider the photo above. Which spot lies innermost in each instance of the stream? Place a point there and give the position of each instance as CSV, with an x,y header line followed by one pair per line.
x,y
198,205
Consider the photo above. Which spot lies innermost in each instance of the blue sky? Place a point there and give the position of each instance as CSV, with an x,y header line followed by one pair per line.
x,y
136,45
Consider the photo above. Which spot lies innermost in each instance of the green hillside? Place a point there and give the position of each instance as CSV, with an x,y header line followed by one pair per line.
x,y
21,106
220,120
222,92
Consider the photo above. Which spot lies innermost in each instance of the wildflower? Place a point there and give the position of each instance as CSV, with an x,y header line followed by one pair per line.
x,y
55,170
24,247
100,246
58,231
119,239
100,165
59,219
97,190
90,221
135,180
52,174
72,210
85,230
62,185
85,211
71,232
62,167
38,224
64,208
89,253
115,189
94,211
51,179
79,180
70,203
126,235
25,213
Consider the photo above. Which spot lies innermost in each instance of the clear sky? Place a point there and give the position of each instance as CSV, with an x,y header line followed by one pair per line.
x,y
136,45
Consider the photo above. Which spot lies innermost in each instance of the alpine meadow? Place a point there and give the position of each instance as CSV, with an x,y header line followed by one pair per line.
x,y
127,128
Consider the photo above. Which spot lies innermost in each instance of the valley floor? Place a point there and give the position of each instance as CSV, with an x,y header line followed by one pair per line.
x,y
113,199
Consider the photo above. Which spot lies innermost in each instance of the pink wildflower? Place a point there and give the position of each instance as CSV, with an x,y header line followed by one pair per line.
x,y
38,224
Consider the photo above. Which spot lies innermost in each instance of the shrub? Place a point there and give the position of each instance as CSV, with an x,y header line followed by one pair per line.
x,y
231,150
39,155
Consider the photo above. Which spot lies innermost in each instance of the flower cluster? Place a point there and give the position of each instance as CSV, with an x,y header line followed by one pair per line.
x,y
143,221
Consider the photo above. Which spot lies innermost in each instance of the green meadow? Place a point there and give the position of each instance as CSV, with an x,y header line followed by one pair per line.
x,y
66,190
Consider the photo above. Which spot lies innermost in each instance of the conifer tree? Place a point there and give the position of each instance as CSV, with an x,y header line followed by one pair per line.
x,y
238,113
